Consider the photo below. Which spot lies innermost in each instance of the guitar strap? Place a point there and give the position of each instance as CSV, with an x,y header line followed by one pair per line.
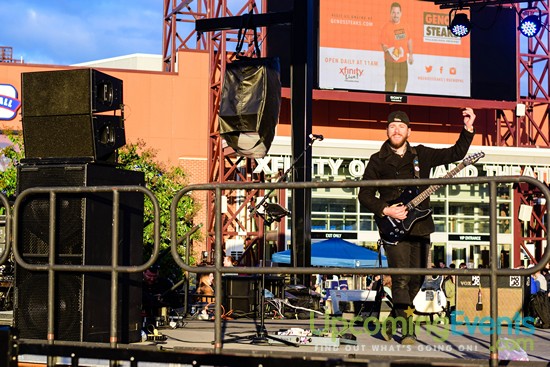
x,y
415,163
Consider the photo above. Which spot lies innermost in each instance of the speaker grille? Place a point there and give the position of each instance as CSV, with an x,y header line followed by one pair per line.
x,y
83,232
32,305
69,92
84,136
69,229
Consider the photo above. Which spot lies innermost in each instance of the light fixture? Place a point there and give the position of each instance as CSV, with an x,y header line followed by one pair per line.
x,y
460,24
529,24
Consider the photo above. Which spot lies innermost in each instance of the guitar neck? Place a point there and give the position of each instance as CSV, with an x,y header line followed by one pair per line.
x,y
433,188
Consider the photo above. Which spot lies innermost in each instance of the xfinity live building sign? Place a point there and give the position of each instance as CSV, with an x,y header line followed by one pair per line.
x,y
325,168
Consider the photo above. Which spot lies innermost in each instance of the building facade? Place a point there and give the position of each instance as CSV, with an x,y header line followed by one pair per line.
x,y
169,111
461,212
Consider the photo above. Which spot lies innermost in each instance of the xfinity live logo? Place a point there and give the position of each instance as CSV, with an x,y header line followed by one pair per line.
x,y
351,74
438,328
9,104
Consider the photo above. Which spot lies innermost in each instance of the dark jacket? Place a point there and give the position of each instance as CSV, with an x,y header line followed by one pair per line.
x,y
387,165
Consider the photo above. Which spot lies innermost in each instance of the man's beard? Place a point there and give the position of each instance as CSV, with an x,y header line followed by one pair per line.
x,y
398,145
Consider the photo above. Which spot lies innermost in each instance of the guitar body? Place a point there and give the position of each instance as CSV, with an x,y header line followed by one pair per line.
x,y
394,230
431,297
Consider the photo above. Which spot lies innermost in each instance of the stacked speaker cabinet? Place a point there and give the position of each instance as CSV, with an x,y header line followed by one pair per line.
x,y
83,235
72,113
73,124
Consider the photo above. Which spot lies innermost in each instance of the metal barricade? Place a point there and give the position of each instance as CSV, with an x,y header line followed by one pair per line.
x,y
493,272
51,348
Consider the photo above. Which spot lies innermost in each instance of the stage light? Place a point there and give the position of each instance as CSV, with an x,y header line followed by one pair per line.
x,y
529,25
460,25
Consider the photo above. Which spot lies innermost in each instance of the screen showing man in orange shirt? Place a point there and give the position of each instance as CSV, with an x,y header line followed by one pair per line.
x,y
397,45
384,58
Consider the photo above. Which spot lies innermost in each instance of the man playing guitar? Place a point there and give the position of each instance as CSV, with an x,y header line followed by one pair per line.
x,y
397,159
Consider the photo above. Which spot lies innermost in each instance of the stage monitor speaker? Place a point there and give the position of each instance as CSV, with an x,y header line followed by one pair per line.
x,y
83,230
69,92
93,137
471,309
240,294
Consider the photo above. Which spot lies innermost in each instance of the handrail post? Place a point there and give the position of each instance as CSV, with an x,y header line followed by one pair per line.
x,y
51,277
493,243
218,278
113,340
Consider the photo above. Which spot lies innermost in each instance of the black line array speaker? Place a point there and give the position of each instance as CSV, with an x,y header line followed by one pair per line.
x,y
472,308
83,235
72,114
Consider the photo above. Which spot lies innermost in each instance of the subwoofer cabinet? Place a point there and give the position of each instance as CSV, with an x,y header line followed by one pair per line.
x,y
83,236
473,298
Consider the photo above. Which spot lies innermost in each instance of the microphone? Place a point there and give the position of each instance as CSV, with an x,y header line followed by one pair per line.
x,y
316,137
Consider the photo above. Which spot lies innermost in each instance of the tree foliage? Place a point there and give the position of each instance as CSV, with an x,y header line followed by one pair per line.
x,y
163,181
10,156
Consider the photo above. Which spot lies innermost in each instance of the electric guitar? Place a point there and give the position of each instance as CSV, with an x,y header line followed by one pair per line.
x,y
431,297
394,230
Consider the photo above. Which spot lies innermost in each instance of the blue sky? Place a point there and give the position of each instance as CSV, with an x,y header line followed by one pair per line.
x,y
65,32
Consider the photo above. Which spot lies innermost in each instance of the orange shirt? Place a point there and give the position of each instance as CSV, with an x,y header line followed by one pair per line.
x,y
396,36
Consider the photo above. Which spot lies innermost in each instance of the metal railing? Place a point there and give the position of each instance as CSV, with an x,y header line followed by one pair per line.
x,y
493,271
70,349
53,268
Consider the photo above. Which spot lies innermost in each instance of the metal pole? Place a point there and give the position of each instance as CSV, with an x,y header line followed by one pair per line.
x,y
301,105
494,276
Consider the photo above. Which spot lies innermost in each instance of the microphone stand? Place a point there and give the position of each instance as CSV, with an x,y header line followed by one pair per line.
x,y
254,210
272,212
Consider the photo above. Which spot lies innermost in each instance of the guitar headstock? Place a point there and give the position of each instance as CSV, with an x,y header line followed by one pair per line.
x,y
473,158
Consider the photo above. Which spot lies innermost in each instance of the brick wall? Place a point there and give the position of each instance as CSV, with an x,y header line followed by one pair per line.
x,y
197,171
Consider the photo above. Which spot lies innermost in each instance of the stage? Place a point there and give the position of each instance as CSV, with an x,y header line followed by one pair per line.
x,y
441,345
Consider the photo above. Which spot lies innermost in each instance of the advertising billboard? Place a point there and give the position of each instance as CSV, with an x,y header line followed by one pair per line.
x,y
391,46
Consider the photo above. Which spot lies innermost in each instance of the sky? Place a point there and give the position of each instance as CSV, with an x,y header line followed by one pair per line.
x,y
66,32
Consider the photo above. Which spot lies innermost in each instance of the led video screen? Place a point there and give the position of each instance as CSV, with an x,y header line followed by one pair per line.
x,y
389,46
482,65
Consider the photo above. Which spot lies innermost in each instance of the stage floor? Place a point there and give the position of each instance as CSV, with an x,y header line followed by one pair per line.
x,y
437,342
441,345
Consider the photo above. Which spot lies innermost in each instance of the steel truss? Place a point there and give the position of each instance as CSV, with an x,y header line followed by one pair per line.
x,y
223,164
531,130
